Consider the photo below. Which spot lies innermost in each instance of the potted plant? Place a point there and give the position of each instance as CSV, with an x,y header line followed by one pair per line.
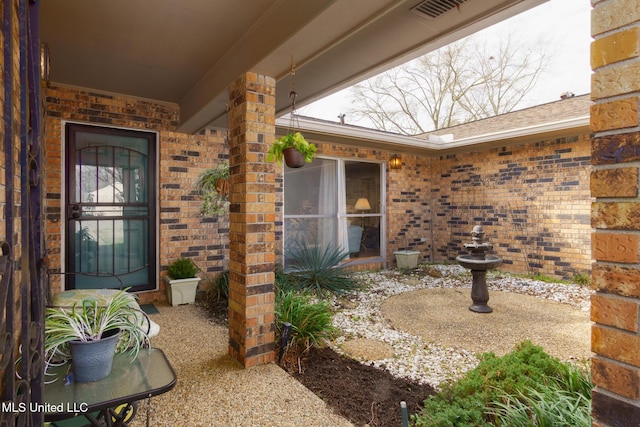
x,y
89,334
407,259
293,148
213,186
182,282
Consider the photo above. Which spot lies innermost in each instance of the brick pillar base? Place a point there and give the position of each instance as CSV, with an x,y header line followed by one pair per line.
x,y
252,221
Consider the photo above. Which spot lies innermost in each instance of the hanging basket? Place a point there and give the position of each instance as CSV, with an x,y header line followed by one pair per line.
x,y
222,187
292,147
293,158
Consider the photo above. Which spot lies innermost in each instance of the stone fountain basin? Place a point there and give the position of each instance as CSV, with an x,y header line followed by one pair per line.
x,y
488,263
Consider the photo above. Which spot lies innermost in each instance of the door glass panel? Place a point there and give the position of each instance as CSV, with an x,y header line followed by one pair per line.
x,y
364,207
111,211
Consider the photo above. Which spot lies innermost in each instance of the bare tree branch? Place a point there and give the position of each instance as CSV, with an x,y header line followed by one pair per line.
x,y
464,81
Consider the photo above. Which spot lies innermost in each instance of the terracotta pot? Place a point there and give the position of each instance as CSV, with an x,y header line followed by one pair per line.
x,y
293,158
222,187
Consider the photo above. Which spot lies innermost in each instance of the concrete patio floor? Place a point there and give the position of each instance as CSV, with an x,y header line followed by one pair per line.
x,y
214,390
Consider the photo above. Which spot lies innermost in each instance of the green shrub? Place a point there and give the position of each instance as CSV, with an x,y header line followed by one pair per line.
x,y
319,270
473,400
182,268
310,321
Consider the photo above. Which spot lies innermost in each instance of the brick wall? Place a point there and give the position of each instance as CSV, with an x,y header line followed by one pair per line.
x,y
532,200
183,231
615,90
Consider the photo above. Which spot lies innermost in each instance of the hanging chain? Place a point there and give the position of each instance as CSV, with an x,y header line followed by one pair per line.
x,y
293,123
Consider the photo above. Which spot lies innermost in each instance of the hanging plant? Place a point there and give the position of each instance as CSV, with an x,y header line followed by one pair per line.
x,y
292,147
291,141
213,187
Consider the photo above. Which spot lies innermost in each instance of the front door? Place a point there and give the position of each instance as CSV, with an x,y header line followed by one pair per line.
x,y
110,208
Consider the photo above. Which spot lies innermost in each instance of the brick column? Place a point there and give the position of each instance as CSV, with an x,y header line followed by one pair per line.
x,y
615,89
252,220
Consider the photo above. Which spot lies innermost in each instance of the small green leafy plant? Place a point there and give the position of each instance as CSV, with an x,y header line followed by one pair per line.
x,y
291,140
182,268
88,321
320,270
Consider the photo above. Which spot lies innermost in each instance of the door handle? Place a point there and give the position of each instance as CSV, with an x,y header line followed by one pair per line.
x,y
74,211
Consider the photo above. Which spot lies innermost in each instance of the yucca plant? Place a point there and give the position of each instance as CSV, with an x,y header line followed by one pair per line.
x,y
320,270
87,321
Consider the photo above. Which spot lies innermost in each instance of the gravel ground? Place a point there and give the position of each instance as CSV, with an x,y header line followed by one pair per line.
x,y
214,390
418,325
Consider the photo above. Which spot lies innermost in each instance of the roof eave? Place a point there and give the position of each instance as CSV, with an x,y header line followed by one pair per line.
x,y
334,133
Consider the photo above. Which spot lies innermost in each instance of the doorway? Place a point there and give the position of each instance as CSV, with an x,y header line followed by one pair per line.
x,y
110,208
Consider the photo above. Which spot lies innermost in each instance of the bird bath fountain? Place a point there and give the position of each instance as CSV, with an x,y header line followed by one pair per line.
x,y
479,263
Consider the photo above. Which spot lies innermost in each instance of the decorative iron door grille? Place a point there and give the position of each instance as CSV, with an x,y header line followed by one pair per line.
x,y
21,278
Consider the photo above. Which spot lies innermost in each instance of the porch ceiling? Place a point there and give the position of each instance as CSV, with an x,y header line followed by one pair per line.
x,y
188,51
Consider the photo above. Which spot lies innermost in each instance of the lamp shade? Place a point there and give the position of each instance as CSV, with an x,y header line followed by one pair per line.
x,y
362,204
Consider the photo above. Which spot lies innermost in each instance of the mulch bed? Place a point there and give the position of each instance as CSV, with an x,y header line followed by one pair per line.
x,y
365,395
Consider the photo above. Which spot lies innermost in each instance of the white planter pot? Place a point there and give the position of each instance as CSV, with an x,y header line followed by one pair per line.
x,y
181,291
407,259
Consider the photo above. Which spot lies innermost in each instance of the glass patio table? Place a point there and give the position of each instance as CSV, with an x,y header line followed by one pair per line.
x,y
110,400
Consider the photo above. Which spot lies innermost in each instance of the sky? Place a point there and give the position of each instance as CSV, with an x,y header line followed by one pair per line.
x,y
564,24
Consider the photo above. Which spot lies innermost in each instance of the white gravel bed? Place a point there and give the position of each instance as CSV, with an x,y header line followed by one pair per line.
x,y
359,316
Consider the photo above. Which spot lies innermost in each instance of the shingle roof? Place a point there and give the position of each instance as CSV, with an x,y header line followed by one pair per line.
x,y
565,109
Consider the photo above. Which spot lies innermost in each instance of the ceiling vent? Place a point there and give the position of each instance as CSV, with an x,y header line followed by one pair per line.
x,y
435,8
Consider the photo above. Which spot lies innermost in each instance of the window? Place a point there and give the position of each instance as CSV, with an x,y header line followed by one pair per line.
x,y
334,202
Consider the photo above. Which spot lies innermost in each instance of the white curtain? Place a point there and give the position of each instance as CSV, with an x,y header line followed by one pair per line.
x,y
327,205
343,224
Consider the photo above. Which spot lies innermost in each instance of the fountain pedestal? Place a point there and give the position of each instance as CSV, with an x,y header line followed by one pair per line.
x,y
479,292
479,263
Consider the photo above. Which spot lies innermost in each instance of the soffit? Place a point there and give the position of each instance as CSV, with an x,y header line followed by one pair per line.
x,y
187,52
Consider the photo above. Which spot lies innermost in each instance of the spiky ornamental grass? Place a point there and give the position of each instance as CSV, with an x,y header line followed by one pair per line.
x,y
87,321
551,406
311,322
564,400
321,270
